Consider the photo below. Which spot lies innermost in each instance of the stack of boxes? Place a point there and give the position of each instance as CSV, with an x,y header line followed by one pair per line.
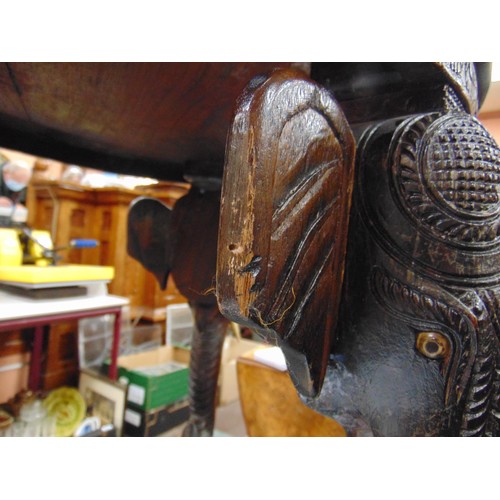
x,y
158,387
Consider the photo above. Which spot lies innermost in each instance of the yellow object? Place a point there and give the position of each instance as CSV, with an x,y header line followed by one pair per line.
x,y
12,269
31,274
67,405
11,253
36,251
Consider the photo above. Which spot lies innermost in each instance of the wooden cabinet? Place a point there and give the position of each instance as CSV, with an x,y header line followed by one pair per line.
x,y
60,363
70,211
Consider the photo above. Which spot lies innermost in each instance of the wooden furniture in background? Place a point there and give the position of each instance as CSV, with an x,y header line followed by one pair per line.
x,y
60,364
71,211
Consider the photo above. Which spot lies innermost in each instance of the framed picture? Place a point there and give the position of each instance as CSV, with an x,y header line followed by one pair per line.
x,y
105,398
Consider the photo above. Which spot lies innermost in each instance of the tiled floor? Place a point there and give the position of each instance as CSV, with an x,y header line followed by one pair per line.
x,y
228,422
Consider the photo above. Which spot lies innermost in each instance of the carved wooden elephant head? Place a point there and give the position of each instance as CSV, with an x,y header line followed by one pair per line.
x,y
395,334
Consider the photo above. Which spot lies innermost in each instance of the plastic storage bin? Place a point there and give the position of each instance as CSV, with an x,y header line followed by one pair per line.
x,y
180,325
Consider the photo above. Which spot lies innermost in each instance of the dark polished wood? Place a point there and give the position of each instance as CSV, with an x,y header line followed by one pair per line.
x,y
416,345
405,341
164,120
183,242
169,120
284,218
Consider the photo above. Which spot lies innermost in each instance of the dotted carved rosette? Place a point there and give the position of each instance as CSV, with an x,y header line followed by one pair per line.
x,y
446,172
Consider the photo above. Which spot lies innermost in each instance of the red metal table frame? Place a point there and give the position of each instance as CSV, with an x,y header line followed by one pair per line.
x,y
39,322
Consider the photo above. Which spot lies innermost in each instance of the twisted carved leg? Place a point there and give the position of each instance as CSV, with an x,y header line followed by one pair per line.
x,y
206,351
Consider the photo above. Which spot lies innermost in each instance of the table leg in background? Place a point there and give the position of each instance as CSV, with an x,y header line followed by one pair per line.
x,y
36,359
113,367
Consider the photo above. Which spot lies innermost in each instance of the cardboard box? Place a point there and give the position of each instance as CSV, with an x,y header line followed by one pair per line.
x,y
140,423
156,378
228,380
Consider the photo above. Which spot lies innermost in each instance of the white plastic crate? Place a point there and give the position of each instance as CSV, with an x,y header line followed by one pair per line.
x,y
180,325
95,338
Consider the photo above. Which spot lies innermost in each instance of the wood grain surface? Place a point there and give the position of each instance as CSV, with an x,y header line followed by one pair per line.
x,y
272,408
284,217
150,118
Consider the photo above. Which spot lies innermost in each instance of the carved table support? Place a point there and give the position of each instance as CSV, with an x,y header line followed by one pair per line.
x,y
184,242
407,343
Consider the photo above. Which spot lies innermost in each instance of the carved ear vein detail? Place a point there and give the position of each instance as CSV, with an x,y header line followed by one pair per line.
x,y
284,214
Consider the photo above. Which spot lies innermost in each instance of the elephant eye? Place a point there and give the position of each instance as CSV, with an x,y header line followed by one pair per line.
x,y
433,345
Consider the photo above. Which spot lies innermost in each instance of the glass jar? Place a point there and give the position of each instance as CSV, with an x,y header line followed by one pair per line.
x,y
33,414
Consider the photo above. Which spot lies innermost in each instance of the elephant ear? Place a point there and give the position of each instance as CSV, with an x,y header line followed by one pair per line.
x,y
195,220
284,216
149,238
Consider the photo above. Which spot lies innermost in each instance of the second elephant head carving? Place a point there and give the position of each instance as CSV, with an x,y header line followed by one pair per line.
x,y
183,242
